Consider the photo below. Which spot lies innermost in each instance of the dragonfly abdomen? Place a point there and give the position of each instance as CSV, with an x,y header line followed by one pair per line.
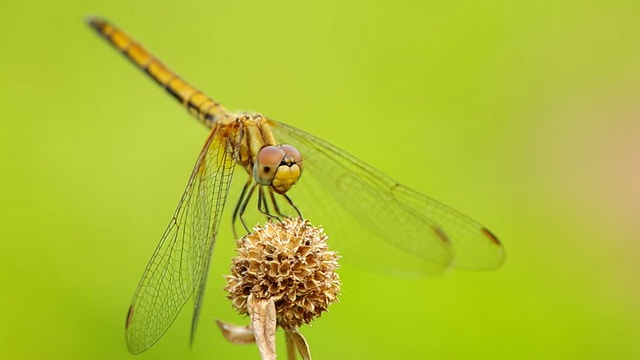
x,y
204,108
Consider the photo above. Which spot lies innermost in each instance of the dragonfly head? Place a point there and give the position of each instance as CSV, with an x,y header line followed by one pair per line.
x,y
278,166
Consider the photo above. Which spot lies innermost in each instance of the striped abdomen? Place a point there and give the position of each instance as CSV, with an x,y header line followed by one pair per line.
x,y
198,104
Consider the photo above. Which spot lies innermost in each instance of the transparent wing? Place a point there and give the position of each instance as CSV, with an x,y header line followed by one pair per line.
x,y
378,223
178,267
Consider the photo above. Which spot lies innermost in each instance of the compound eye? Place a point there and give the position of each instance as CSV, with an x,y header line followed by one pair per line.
x,y
267,162
293,152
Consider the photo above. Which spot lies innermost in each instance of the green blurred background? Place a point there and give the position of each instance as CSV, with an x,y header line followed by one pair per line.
x,y
525,116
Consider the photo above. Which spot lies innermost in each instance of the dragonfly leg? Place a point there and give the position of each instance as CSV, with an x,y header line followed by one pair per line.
x,y
244,204
263,205
293,205
275,204
238,205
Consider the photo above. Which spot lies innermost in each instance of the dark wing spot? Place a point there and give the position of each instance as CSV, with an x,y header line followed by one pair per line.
x,y
129,317
441,234
266,169
493,238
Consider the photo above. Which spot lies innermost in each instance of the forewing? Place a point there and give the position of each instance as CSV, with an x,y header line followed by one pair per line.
x,y
396,229
178,267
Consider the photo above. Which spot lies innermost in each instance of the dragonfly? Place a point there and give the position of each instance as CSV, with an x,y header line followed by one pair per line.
x,y
380,223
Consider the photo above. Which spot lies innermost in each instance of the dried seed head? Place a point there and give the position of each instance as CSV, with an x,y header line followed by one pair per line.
x,y
290,263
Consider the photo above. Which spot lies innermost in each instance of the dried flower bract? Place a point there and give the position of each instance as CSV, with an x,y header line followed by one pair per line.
x,y
289,263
